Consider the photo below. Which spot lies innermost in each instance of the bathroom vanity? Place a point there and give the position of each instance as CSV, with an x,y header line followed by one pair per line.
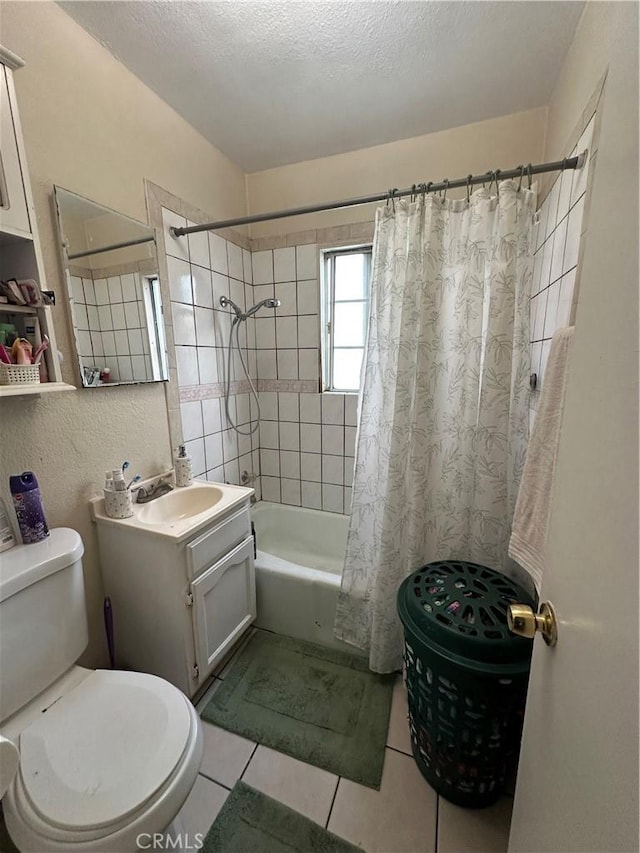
x,y
181,579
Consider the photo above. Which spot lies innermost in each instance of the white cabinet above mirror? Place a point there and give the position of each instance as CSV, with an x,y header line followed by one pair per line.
x,y
113,290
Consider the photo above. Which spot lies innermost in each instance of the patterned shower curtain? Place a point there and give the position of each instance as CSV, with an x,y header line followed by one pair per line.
x,y
443,421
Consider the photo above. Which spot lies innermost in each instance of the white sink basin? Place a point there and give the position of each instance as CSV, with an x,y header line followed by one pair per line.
x,y
178,505
179,514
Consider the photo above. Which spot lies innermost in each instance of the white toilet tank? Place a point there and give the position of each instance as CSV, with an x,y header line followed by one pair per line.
x,y
43,620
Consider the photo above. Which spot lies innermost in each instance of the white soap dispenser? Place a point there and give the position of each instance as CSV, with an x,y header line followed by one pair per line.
x,y
183,467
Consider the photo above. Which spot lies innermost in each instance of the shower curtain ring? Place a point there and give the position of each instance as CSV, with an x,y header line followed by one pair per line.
x,y
428,187
469,188
413,193
497,178
446,187
392,196
521,167
529,175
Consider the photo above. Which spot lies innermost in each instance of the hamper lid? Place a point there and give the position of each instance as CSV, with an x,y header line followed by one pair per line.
x,y
461,608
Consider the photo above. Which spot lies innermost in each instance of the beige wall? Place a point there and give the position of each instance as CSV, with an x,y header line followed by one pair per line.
x,y
497,143
92,127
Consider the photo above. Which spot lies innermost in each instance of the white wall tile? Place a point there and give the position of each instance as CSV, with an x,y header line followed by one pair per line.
x,y
136,346
211,415
89,290
208,368
307,262
234,255
267,368
195,449
220,287
287,332
218,253
129,293
132,316
308,297
269,435
213,451
202,287
566,298
287,364
552,204
177,247
288,406
269,405
139,368
580,176
179,280
187,365
351,409
284,264
309,331
265,332
247,268
349,464
540,311
184,329
286,293
290,493
311,467
199,248
117,315
564,199
232,472
308,364
545,270
269,462
290,464
574,229
332,498
205,334
311,495
262,267
333,408
310,408
191,415
559,239
350,440
333,469
289,436
310,438
102,293
333,439
108,343
270,488
104,316
550,320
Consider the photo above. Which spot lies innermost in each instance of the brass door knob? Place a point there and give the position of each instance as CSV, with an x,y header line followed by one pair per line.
x,y
524,622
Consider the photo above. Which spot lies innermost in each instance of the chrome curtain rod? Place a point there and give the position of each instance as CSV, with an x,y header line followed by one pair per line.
x,y
471,180
110,248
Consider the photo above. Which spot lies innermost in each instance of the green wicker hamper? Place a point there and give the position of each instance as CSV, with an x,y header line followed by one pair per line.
x,y
466,677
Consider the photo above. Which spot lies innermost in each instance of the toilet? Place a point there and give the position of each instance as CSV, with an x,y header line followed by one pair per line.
x,y
106,758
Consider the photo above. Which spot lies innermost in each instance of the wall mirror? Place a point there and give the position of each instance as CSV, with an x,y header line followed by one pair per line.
x,y
111,270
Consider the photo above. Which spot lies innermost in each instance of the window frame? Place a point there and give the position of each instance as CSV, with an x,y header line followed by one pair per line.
x,y
328,303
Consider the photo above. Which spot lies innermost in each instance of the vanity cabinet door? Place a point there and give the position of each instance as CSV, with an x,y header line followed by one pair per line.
x,y
14,217
224,605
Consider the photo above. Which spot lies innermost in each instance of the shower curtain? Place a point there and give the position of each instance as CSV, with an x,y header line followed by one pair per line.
x,y
443,421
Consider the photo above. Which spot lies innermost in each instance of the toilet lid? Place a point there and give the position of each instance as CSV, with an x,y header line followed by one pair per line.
x,y
102,750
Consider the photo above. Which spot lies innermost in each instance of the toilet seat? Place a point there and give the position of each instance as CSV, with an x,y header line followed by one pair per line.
x,y
114,757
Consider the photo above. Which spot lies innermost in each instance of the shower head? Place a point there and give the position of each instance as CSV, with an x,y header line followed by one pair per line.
x,y
265,303
224,301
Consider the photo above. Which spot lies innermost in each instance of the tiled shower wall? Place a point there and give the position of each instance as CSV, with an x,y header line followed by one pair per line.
x,y
202,268
561,225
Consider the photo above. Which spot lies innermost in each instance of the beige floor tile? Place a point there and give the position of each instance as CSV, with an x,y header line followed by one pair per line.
x,y
474,830
399,818
225,755
201,808
304,788
398,736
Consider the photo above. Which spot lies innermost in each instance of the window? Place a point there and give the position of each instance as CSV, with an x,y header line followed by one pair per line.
x,y
345,314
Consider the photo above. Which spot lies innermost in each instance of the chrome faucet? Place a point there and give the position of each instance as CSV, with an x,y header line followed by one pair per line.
x,y
149,493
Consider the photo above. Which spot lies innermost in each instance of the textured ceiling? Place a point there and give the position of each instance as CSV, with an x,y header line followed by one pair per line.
x,y
271,83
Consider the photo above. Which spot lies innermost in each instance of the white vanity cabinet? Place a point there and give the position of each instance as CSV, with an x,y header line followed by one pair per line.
x,y
179,606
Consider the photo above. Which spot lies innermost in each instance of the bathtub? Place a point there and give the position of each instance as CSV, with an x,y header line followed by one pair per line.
x,y
298,571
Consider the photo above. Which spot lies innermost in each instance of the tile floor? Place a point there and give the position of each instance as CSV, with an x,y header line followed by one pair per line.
x,y
404,816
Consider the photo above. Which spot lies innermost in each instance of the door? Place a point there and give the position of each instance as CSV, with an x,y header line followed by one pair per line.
x,y
577,787
224,605
13,201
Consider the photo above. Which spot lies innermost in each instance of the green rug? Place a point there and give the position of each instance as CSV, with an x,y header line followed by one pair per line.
x,y
319,705
251,822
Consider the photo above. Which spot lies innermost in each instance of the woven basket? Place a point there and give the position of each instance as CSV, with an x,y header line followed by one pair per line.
x,y
19,374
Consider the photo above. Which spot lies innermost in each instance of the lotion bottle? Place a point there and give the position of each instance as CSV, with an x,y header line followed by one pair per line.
x,y
183,467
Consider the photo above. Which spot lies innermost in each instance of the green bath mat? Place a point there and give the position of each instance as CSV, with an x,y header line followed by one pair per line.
x,y
251,822
319,705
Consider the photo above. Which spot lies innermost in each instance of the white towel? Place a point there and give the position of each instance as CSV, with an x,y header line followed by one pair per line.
x,y
527,545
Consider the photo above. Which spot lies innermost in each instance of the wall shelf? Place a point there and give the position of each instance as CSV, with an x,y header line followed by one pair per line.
x,y
34,390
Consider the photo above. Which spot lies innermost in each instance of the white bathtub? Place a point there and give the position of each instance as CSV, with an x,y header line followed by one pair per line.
x,y
298,570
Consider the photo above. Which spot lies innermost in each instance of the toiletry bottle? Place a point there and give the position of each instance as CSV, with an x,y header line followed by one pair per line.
x,y
27,503
7,539
119,484
183,467
108,481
